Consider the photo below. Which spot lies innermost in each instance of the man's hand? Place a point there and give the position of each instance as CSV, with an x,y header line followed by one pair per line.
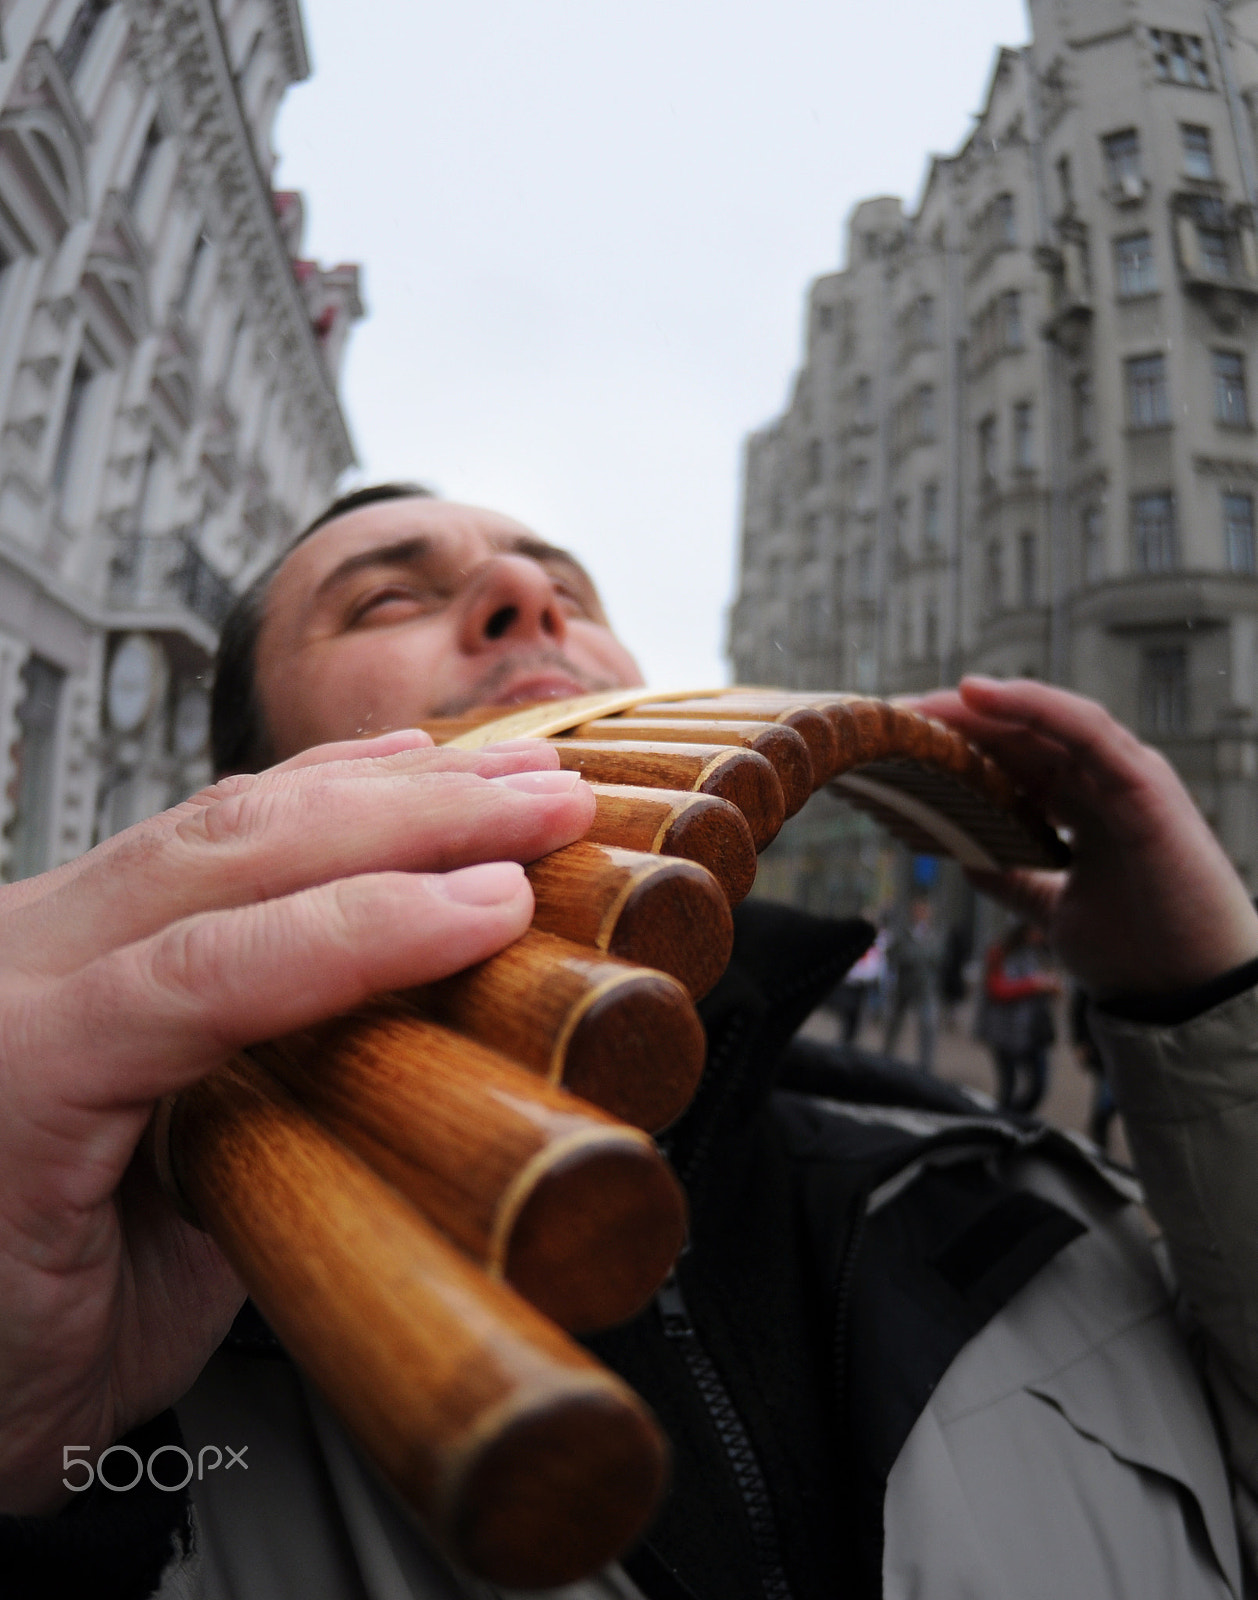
x,y
261,905
1151,904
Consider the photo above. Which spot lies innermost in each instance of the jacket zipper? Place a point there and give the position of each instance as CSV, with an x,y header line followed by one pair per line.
x,y
733,1435
844,1287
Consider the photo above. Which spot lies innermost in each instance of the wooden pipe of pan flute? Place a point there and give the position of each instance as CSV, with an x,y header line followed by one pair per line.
x,y
586,1020
699,827
656,911
780,745
730,772
579,1213
531,1464
812,725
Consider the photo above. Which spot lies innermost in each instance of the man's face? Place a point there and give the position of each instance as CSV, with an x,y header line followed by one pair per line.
x,y
417,608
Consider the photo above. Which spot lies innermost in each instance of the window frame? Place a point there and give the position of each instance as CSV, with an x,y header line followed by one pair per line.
x,y
1239,556
1134,276
1146,392
1147,557
1231,390
1190,153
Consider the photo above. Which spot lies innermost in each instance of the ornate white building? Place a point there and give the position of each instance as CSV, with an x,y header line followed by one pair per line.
x,y
1022,438
168,401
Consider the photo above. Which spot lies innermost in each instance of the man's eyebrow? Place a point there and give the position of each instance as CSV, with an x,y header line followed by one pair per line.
x,y
539,550
404,552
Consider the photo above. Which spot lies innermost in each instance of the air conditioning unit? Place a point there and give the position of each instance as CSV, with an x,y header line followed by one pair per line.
x,y
1131,186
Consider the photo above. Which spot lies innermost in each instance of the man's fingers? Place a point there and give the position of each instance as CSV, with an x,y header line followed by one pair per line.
x,y
293,830
85,1056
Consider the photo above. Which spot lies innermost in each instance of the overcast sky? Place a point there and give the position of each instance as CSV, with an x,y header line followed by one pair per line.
x,y
586,231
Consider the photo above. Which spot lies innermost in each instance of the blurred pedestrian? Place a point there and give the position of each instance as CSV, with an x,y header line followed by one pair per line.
x,y
1015,1015
1089,1058
915,957
862,980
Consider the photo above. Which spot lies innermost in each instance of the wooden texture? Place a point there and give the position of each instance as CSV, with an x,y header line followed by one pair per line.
x,y
577,1211
531,1464
780,745
698,827
581,1018
733,773
813,726
656,911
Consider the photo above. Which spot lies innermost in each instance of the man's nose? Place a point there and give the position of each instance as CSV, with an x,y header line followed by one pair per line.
x,y
513,600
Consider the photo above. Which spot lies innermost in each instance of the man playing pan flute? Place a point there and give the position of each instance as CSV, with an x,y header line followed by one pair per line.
x,y
913,1349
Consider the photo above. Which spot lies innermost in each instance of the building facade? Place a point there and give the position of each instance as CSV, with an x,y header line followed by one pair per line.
x,y
1022,437
168,402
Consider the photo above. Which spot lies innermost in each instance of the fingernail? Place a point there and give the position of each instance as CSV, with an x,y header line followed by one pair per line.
x,y
487,885
550,782
518,744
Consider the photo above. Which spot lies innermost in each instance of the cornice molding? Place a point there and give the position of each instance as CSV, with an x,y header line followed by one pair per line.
x,y
182,49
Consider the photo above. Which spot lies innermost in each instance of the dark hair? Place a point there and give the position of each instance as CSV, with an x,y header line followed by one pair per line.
x,y
239,738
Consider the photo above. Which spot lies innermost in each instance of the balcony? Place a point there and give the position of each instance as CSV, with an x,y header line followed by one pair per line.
x,y
1217,250
156,572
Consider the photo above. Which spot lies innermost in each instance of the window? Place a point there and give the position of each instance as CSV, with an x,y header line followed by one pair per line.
x,y
1133,258
1179,58
987,448
1216,257
812,616
1122,158
825,315
926,331
865,572
1004,225
1153,531
931,630
1231,406
927,413
995,576
1164,690
1011,319
813,462
900,521
860,479
1238,532
78,35
1092,546
1023,435
1198,155
1028,572
70,418
864,400
32,768
809,536
1084,409
1147,404
930,517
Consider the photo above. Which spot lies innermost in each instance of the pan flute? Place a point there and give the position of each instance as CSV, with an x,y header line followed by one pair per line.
x,y
427,1198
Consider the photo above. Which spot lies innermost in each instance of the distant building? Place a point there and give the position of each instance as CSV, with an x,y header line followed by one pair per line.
x,y
168,404
1022,440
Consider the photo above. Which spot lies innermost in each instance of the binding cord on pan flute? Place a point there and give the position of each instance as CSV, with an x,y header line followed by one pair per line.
x,y
428,1197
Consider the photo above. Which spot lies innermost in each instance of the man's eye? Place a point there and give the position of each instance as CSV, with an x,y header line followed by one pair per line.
x,y
389,605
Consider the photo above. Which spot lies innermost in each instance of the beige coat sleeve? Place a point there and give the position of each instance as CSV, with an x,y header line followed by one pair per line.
x,y
1189,1098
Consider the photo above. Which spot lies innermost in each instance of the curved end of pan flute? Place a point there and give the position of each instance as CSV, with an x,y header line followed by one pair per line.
x,y
929,787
